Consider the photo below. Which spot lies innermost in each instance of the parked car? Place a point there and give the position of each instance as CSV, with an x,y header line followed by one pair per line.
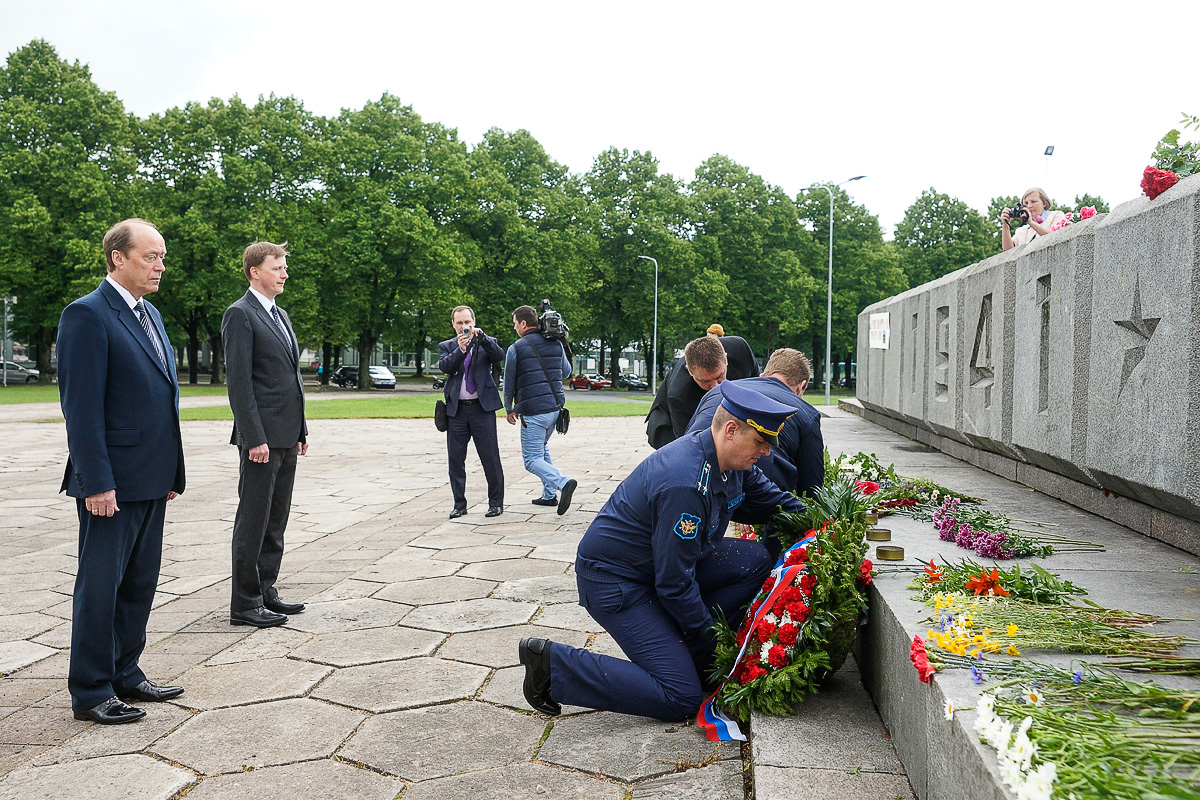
x,y
589,382
627,380
849,383
380,377
18,373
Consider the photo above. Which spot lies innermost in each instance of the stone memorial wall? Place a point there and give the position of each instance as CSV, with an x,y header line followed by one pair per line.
x,y
1070,364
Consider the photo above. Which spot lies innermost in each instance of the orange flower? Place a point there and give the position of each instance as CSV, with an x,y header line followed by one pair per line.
x,y
933,573
985,584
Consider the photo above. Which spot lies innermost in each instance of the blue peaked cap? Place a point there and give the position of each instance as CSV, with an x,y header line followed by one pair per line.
x,y
755,409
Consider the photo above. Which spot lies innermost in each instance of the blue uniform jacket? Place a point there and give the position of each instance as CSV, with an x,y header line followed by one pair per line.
x,y
667,515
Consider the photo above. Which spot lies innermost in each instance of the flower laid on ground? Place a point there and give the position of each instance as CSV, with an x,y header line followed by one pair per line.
x,y
1029,581
993,535
866,487
893,493
985,584
1156,181
920,659
802,623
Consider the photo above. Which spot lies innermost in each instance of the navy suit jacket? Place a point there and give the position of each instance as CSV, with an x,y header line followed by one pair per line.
x,y
120,403
450,361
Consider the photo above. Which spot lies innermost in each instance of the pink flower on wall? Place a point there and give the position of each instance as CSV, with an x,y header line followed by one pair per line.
x,y
1087,212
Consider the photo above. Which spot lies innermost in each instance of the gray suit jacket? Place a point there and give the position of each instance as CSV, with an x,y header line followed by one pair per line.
x,y
266,390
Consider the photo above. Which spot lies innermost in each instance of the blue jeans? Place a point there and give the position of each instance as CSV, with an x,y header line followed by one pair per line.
x,y
535,433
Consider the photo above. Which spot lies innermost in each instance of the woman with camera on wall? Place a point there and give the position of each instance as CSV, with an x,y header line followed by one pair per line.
x,y
1034,209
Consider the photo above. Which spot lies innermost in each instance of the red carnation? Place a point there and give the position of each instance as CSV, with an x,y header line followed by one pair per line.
x,y
764,630
797,556
867,487
741,637
798,612
754,608
920,660
736,675
1157,181
777,656
864,572
779,606
808,583
751,672
788,634
768,584
792,594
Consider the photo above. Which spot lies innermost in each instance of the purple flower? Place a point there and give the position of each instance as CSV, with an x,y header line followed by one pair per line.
x,y
1078,676
977,676
966,536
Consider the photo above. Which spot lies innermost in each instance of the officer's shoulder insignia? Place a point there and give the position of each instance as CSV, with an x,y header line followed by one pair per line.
x,y
687,527
702,481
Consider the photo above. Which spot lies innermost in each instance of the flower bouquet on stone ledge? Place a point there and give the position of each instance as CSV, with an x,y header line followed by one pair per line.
x,y
800,627
894,494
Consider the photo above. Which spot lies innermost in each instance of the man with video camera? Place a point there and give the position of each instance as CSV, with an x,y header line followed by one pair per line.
x,y
534,369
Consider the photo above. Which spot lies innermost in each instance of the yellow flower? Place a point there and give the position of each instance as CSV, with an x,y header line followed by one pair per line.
x,y
1012,630
978,639
987,631
1013,651
975,653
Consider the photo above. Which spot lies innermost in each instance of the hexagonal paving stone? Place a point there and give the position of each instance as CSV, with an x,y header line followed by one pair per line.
x,y
95,779
505,689
512,569
349,589
436,590
248,682
497,647
261,735
352,648
262,644
517,782
721,781
470,615
311,779
348,615
568,615
543,590
444,540
112,740
405,570
642,748
25,626
398,685
487,552
20,654
444,740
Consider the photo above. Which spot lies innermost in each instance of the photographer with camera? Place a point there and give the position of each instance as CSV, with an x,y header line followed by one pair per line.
x,y
1034,210
534,371
472,401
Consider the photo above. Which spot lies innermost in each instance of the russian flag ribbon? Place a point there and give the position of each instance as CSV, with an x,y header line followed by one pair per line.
x,y
716,725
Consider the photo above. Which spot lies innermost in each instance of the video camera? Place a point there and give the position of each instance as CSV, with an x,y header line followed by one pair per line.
x,y
551,323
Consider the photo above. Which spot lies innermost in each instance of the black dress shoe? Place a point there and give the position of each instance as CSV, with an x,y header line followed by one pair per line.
x,y
280,606
564,500
258,617
458,512
150,692
545,501
111,712
535,655
494,511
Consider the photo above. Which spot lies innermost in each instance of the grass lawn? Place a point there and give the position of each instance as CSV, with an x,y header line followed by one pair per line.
x,y
408,408
36,393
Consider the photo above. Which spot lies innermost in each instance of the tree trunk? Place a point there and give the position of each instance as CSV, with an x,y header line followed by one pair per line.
x,y
326,361
45,346
193,353
216,347
420,354
615,361
366,344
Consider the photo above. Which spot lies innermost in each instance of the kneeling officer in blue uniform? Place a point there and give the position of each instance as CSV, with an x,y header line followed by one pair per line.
x,y
654,568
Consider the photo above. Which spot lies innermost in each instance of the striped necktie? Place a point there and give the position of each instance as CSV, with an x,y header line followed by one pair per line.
x,y
140,309
279,322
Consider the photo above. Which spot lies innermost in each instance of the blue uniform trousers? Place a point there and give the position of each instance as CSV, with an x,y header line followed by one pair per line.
x,y
661,679
119,558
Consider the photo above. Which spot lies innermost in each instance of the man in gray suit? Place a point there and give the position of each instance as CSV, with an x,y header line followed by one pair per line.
x,y
266,393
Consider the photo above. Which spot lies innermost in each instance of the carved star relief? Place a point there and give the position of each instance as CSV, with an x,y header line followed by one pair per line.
x,y
1144,327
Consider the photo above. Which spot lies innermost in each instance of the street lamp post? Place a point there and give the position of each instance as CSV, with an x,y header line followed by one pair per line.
x,y
654,346
829,300
4,348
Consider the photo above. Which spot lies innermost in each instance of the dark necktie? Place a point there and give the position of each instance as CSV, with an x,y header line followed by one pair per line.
x,y
282,327
139,308
468,373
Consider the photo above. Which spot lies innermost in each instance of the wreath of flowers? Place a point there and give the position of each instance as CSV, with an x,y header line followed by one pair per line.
x,y
801,625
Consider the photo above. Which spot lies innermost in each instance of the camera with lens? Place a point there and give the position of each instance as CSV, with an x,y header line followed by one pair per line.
x,y
1019,212
551,323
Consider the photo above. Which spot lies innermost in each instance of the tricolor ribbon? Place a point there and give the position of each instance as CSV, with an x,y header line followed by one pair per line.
x,y
715,724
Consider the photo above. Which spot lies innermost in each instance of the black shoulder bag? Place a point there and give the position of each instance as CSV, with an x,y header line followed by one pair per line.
x,y
564,415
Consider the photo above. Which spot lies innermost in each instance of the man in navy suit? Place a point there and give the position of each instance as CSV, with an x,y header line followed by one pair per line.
x,y
473,400
120,398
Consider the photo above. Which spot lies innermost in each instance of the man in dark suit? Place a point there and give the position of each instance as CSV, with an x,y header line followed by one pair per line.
x,y
797,461
266,393
706,362
472,403
120,399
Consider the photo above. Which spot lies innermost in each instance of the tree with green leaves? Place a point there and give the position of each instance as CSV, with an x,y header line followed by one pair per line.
x,y
940,234
65,166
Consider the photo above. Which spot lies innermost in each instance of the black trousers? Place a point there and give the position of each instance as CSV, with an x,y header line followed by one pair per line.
x,y
264,502
119,558
472,422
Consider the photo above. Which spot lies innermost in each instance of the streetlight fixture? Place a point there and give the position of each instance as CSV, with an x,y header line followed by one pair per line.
x,y
829,301
4,348
654,354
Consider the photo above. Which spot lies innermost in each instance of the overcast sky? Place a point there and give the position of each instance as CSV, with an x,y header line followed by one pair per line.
x,y
961,96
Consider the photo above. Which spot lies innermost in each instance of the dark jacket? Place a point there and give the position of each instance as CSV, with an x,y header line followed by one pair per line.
x,y
487,351
526,388
678,396
120,403
262,371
